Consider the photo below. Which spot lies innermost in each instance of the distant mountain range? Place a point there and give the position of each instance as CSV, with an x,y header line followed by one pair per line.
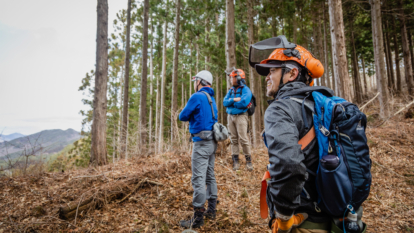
x,y
10,137
44,142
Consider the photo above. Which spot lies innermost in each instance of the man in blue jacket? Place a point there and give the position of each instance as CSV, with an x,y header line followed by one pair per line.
x,y
199,113
237,102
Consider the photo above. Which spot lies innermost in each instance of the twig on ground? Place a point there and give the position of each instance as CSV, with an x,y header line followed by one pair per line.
x,y
232,172
137,186
28,223
361,108
14,224
76,215
384,142
61,220
388,169
406,106
90,176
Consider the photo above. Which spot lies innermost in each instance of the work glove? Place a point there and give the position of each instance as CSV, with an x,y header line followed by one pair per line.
x,y
285,226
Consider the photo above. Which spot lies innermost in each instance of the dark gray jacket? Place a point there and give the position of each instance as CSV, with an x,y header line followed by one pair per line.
x,y
284,127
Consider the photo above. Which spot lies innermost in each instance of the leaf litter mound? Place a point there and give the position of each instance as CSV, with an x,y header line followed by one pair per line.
x,y
153,194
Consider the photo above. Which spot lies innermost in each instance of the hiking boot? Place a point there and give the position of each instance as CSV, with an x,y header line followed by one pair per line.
x,y
211,210
196,221
249,164
236,164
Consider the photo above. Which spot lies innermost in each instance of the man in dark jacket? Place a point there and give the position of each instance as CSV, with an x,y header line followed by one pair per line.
x,y
199,112
291,192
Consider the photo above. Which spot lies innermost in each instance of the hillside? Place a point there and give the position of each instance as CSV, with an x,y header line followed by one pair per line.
x,y
34,203
10,137
50,141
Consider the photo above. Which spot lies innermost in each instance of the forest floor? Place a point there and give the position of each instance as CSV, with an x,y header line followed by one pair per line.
x,y
32,203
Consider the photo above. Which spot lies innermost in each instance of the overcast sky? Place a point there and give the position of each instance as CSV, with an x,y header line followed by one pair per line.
x,y
46,48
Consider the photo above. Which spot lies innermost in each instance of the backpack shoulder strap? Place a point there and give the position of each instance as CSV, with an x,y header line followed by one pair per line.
x,y
308,103
310,135
210,102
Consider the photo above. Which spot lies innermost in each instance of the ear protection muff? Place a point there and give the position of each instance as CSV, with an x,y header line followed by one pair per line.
x,y
238,77
314,67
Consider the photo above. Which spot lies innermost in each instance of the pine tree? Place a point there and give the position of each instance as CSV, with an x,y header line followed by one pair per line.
x,y
98,144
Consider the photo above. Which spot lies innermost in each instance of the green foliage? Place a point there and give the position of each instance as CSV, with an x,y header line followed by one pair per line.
x,y
203,32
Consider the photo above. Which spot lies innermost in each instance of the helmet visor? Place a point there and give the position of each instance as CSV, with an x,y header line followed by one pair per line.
x,y
262,49
264,69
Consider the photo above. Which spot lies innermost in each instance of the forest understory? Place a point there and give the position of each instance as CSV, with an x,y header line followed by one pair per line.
x,y
153,194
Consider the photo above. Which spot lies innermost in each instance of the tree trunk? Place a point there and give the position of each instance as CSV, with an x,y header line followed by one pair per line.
x,y
391,78
121,104
334,87
258,87
340,65
357,86
274,26
321,56
197,54
182,92
397,58
157,115
230,39
190,86
126,85
379,56
143,109
151,86
164,76
387,62
406,52
175,71
206,40
255,118
219,97
98,132
158,100
410,42
325,49
295,24
363,73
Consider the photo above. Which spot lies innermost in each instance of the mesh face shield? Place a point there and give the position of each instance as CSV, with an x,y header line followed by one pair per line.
x,y
262,50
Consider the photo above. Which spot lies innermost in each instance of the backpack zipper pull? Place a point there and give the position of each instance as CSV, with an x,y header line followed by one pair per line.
x,y
329,147
324,130
317,209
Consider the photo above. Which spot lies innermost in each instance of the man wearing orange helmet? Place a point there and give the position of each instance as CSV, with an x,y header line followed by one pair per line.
x,y
238,101
291,192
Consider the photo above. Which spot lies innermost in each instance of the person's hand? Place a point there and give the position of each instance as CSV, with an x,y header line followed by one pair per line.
x,y
237,99
282,226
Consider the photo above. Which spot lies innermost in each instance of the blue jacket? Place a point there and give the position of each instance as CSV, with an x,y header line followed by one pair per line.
x,y
198,112
234,108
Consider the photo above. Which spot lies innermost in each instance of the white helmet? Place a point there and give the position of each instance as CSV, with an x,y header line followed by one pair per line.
x,y
204,75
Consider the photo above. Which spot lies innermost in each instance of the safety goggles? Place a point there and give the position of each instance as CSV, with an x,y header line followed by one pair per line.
x,y
194,78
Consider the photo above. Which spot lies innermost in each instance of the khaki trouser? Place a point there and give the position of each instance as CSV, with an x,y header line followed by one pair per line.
x,y
238,125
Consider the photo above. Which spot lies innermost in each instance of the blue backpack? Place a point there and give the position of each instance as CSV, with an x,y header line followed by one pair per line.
x,y
343,177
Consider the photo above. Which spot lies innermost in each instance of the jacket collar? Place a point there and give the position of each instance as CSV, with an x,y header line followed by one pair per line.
x,y
209,90
299,88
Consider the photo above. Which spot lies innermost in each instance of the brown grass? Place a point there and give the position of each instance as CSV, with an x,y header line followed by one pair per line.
x,y
31,204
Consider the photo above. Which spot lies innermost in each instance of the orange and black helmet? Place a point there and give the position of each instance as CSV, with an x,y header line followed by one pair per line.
x,y
238,73
277,52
